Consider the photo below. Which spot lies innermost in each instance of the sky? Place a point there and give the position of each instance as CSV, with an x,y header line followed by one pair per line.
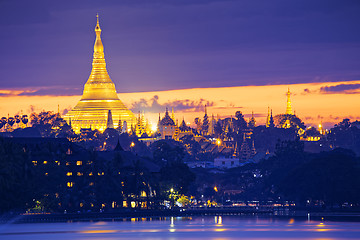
x,y
153,48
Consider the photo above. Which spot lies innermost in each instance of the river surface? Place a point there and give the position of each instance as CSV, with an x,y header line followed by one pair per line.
x,y
208,227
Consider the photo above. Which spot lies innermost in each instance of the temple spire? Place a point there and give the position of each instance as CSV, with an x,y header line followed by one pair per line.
x,y
109,123
252,122
98,46
268,117
271,121
288,104
99,84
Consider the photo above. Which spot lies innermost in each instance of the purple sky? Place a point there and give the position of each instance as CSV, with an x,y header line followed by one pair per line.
x,y
173,44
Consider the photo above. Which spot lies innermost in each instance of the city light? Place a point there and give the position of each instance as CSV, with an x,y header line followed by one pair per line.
x,y
153,127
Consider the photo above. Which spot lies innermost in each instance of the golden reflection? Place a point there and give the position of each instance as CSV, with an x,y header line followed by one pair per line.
x,y
322,230
172,222
220,229
98,231
220,220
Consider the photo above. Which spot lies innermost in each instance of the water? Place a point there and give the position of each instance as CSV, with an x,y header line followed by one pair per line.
x,y
210,227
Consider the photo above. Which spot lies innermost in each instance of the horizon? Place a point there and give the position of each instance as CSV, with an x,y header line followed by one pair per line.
x,y
314,103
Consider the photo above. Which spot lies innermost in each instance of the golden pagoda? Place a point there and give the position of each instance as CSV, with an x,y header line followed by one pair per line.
x,y
288,104
99,96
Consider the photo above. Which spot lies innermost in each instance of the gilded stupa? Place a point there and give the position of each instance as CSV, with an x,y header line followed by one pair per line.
x,y
99,96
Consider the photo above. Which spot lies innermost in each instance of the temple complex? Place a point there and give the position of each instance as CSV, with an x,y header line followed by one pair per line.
x,y
99,97
167,127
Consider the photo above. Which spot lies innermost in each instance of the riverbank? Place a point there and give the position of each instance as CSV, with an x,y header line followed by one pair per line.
x,y
158,214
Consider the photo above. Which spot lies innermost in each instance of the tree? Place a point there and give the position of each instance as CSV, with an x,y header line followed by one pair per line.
x,y
176,175
218,129
240,122
198,123
183,200
205,125
167,151
333,177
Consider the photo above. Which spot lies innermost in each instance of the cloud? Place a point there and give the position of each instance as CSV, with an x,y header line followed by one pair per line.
x,y
226,107
41,91
306,91
52,91
186,105
65,110
256,115
12,92
341,88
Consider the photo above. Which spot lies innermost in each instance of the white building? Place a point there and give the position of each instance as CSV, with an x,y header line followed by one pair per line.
x,y
227,162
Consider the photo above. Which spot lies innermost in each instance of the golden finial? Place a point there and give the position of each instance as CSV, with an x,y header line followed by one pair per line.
x,y
97,28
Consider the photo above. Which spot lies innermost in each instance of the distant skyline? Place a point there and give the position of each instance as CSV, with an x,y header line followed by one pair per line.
x,y
230,55
167,45
314,103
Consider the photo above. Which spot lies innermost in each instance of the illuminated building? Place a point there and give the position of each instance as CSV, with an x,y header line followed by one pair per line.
x,y
252,122
212,124
99,96
288,110
167,127
288,104
246,152
184,130
289,119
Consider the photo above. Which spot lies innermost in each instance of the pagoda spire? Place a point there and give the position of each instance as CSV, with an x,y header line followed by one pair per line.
x,y
99,84
268,118
271,121
252,122
98,46
288,104
109,123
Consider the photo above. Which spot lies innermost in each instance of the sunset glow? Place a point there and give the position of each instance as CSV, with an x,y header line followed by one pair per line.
x,y
311,102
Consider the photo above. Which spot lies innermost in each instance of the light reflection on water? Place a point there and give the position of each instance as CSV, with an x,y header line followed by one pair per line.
x,y
209,227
